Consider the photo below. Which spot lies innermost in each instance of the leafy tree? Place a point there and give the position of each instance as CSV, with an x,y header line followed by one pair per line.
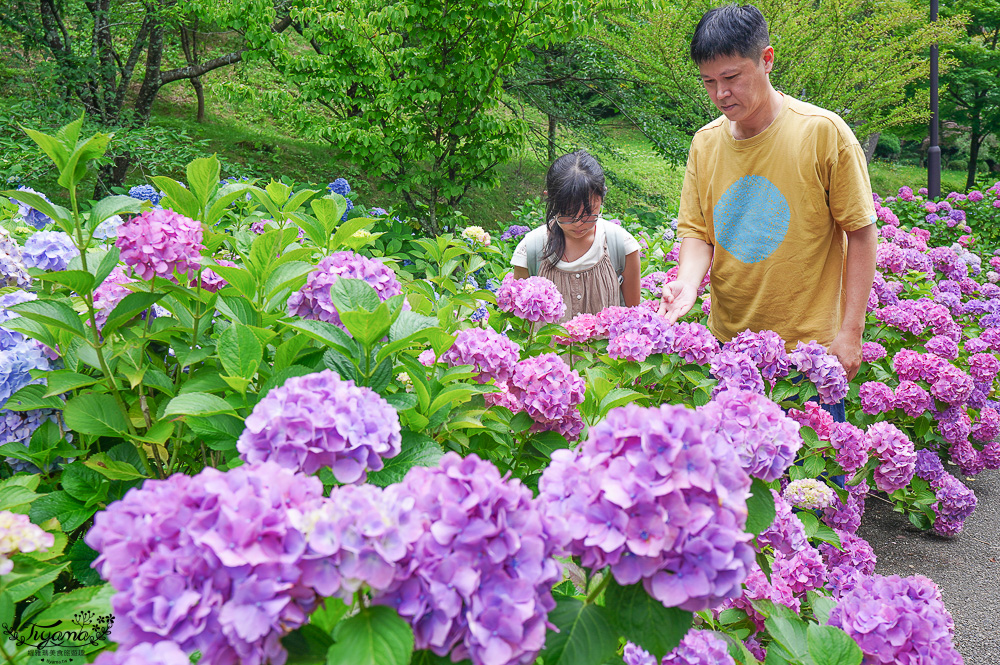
x,y
973,96
410,91
100,48
854,57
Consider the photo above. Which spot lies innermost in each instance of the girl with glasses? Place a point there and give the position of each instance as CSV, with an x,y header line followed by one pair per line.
x,y
593,263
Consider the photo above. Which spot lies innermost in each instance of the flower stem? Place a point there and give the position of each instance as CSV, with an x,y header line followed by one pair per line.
x,y
599,589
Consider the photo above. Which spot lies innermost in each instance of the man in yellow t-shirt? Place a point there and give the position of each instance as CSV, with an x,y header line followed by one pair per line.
x,y
776,200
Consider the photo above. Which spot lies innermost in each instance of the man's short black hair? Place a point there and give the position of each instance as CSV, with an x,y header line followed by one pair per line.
x,y
730,30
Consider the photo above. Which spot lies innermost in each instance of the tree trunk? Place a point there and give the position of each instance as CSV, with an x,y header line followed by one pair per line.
x,y
199,91
975,140
112,175
870,144
552,138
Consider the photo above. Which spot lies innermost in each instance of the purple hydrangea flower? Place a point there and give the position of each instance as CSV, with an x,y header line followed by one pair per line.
x,y
313,300
32,217
765,348
912,399
479,577
694,343
736,371
632,346
546,388
800,572
855,553
847,517
493,355
955,502
764,438
942,346
213,281
896,453
146,653
159,243
872,351
898,620
983,367
533,299
16,363
657,494
851,445
785,535
699,647
876,397
320,420
49,250
824,370
514,231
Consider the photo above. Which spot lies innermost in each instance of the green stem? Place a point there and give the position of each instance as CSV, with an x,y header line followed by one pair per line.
x,y
599,589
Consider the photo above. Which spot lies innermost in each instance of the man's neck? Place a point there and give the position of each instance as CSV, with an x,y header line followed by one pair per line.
x,y
764,118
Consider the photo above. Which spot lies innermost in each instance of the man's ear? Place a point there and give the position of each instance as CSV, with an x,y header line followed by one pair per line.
x,y
767,55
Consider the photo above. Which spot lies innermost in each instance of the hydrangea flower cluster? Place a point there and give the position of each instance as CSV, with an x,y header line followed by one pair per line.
x,y
13,272
476,234
356,537
896,453
699,647
582,328
764,439
514,231
31,216
898,620
159,243
480,574
851,444
16,362
320,420
313,300
694,343
491,354
809,493
213,281
847,516
18,426
210,562
631,345
877,397
657,494
339,186
546,388
847,566
146,193
534,299
955,503
824,370
18,534
49,250
736,371
108,229
765,348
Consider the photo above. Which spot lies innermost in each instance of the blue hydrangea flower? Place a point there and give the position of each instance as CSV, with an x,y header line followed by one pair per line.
x,y
30,215
15,363
108,229
9,338
340,186
49,250
350,207
145,193
378,212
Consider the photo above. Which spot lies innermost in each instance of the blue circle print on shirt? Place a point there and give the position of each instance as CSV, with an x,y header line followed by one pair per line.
x,y
751,219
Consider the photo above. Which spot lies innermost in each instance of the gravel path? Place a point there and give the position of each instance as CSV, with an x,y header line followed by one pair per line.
x,y
966,568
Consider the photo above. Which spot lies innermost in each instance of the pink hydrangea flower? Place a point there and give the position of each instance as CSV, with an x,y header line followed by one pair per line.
x,y
159,243
534,299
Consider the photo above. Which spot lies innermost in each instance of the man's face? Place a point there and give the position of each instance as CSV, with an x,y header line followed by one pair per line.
x,y
738,86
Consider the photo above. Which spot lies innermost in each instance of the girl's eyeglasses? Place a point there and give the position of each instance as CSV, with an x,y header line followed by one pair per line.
x,y
585,222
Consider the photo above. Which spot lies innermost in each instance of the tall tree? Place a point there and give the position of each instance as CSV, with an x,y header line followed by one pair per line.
x,y
973,93
101,47
853,57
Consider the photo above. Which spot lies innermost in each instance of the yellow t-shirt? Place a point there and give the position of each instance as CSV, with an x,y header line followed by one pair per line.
x,y
776,208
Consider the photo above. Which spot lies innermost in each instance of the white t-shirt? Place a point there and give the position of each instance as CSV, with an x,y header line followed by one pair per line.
x,y
590,259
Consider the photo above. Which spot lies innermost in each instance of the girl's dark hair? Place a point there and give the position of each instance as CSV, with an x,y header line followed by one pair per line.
x,y
730,30
572,182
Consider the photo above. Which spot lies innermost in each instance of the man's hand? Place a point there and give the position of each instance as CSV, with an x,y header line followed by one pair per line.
x,y
847,348
678,299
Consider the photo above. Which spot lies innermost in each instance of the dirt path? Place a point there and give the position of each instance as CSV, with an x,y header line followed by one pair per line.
x,y
966,568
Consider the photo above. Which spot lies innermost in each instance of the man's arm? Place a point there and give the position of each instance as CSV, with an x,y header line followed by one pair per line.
x,y
857,285
694,261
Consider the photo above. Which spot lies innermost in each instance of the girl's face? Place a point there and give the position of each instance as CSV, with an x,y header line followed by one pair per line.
x,y
581,224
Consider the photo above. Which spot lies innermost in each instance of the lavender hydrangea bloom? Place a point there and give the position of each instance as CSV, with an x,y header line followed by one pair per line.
x,y
108,229
694,343
111,292
898,620
800,572
493,355
736,371
546,388
765,348
514,231
896,453
912,398
313,300
13,272
632,346
210,562
847,517
320,420
145,193
824,370
942,346
699,647
955,502
951,384
851,445
872,351
785,535
49,250
533,299
16,362
481,572
32,217
159,243
855,553
163,652
657,494
764,438
876,397
929,467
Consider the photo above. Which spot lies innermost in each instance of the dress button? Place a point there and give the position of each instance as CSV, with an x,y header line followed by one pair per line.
x,y
578,296
577,275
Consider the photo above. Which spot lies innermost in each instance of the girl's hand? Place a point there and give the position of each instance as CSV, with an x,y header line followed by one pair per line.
x,y
678,299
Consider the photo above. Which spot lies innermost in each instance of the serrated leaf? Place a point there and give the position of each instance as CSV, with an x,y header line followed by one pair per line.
x,y
642,619
374,636
197,404
32,397
829,645
28,576
70,512
760,507
415,450
64,380
95,599
351,294
129,307
239,351
51,313
111,469
79,281
95,414
179,198
585,635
